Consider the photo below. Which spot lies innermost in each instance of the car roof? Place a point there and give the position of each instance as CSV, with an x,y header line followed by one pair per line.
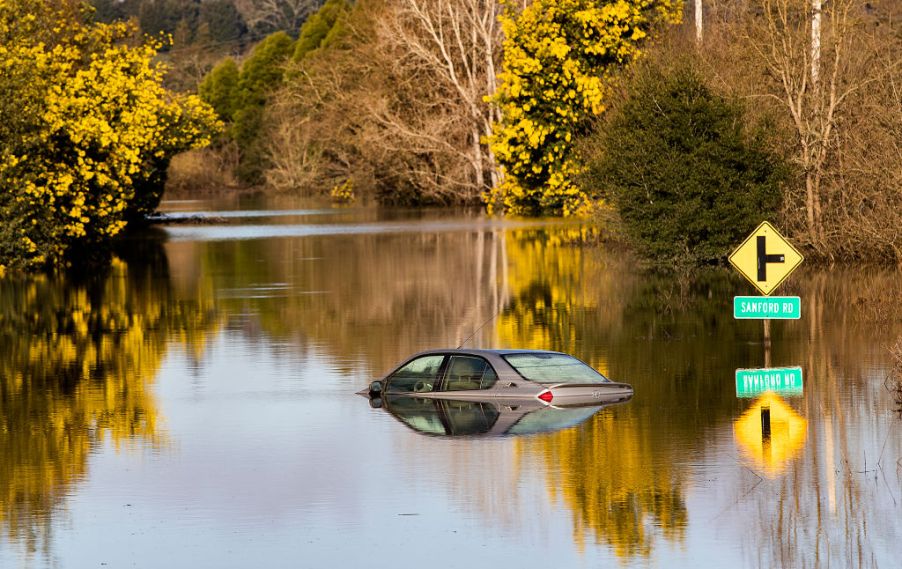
x,y
494,356
484,352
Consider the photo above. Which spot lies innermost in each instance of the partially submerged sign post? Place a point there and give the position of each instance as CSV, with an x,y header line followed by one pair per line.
x,y
766,259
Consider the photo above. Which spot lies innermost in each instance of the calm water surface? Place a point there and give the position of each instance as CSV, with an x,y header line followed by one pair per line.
x,y
194,405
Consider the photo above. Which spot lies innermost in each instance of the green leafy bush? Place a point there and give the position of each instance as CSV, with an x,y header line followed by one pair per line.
x,y
678,163
261,73
320,28
219,89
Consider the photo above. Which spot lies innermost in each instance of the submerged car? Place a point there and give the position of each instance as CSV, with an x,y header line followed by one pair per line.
x,y
451,418
503,376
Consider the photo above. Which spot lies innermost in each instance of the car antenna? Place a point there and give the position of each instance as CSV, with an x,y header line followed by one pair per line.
x,y
467,339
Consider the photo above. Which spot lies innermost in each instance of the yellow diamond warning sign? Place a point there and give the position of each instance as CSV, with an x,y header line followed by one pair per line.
x,y
766,258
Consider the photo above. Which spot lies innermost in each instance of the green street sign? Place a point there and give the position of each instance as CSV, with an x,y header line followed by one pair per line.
x,y
767,307
781,380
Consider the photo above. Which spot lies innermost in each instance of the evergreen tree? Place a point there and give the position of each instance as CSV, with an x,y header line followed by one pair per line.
x,y
687,178
261,73
219,89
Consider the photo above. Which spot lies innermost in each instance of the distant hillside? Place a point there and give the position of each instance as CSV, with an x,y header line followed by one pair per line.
x,y
203,31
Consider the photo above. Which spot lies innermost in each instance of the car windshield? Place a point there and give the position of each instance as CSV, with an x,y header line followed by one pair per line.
x,y
553,368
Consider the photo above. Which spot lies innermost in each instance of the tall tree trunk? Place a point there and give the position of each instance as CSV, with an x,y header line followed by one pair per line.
x,y
810,203
815,47
817,230
478,164
698,22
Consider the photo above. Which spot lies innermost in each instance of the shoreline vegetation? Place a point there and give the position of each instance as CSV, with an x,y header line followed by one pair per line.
x,y
677,125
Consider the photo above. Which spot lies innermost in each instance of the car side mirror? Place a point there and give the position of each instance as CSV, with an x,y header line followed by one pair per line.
x,y
376,389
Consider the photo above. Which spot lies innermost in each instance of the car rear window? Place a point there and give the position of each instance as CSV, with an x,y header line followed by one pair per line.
x,y
553,368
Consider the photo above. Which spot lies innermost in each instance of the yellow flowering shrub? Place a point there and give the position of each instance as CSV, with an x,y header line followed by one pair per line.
x,y
558,58
343,193
86,129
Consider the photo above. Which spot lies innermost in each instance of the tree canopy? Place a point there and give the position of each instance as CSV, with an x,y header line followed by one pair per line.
x,y
559,56
86,129
677,161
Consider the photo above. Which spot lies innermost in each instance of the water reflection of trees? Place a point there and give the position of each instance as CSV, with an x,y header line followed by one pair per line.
x,y
616,489
362,298
620,479
838,502
677,343
78,356
623,474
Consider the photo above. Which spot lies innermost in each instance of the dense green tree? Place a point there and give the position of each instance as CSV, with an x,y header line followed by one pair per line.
x,y
320,28
224,24
679,164
260,74
263,69
110,10
220,89
163,16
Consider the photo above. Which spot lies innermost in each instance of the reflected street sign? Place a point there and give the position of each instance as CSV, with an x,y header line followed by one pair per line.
x,y
764,307
766,258
770,434
782,380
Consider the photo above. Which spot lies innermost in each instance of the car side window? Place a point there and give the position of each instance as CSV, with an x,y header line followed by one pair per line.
x,y
418,375
469,372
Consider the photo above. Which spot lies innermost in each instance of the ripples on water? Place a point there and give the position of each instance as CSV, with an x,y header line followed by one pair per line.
x,y
194,406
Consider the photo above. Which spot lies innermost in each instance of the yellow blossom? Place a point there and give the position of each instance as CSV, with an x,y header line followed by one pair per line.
x,y
91,126
557,58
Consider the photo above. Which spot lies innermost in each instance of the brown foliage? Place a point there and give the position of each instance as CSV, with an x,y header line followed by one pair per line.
x,y
203,169
393,107
840,120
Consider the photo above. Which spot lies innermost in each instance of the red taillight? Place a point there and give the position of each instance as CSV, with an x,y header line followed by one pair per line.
x,y
546,396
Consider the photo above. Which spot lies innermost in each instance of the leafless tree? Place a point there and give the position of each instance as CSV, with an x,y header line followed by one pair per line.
x,y
699,25
457,44
813,80
271,15
824,82
402,108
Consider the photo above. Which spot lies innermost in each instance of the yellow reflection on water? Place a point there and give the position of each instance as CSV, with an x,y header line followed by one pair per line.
x,y
552,282
607,472
771,452
618,492
77,365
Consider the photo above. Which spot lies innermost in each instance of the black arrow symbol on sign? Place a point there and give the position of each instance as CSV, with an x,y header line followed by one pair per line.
x,y
764,259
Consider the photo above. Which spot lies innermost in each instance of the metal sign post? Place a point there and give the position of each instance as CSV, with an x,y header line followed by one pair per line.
x,y
766,259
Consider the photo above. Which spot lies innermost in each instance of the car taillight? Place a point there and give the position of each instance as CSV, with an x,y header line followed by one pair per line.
x,y
546,396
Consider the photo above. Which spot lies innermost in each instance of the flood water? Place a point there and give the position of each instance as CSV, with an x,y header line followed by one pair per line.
x,y
195,406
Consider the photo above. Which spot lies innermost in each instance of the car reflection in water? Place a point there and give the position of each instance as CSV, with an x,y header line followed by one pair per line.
x,y
494,392
451,418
